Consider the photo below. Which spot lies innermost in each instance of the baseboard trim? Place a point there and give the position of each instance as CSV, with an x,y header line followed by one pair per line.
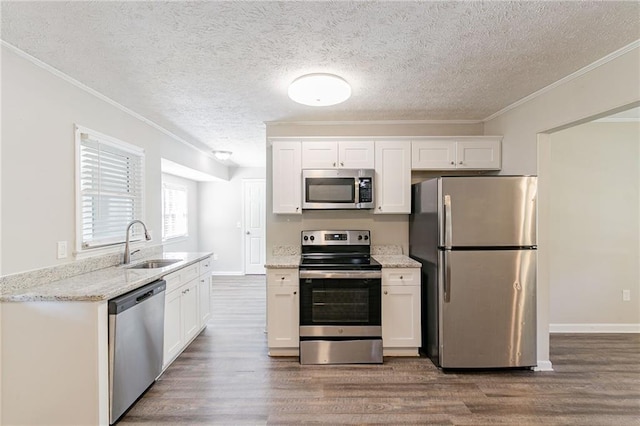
x,y
594,328
543,366
234,273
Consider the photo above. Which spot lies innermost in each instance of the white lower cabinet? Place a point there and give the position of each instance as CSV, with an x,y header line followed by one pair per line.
x,y
401,330
172,326
204,291
283,312
187,307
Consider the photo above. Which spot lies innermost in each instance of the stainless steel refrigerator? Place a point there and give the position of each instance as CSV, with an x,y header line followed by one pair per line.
x,y
476,240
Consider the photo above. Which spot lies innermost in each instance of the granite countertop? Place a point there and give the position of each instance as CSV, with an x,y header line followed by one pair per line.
x,y
284,261
396,261
102,284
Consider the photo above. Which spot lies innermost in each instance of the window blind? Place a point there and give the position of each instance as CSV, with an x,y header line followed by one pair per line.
x,y
111,190
174,211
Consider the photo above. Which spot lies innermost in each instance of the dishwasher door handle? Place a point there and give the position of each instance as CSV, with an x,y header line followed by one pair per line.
x,y
144,296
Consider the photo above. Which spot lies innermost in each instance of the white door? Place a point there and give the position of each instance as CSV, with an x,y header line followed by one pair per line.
x,y
254,226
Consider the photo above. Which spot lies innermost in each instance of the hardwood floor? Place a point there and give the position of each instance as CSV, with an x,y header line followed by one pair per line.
x,y
226,378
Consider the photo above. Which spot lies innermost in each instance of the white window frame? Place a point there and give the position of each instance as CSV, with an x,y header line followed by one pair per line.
x,y
181,188
112,243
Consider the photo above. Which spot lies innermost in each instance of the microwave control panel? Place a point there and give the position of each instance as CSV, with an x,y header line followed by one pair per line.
x,y
366,193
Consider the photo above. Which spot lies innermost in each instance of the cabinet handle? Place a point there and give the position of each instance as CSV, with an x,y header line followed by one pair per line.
x,y
379,207
385,292
297,208
460,162
342,163
453,163
295,292
282,278
401,277
334,164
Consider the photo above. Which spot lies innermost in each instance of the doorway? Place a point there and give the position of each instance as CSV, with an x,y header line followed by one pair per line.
x,y
591,179
254,226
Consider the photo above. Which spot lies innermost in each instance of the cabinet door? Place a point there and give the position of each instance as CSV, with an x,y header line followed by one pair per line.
x,y
320,155
283,316
393,177
480,154
204,298
401,316
433,155
287,177
172,326
356,155
283,308
189,306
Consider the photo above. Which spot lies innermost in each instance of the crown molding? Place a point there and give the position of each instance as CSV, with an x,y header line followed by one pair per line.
x,y
102,97
370,122
610,57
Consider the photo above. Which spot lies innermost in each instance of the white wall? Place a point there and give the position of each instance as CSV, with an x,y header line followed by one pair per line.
x,y
595,225
39,110
190,243
221,207
385,229
610,86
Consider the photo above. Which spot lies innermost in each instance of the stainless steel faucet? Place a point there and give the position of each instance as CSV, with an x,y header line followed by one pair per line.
x,y
127,255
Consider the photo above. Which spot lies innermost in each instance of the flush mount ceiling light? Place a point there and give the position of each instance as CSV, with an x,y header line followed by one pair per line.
x,y
319,89
222,155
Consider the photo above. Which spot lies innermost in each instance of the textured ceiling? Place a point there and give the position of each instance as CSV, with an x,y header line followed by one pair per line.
x,y
214,72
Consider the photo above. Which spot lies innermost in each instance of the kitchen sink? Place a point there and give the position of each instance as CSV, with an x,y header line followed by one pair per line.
x,y
154,263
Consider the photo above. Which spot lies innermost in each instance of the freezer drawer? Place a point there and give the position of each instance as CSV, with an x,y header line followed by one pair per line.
x,y
487,309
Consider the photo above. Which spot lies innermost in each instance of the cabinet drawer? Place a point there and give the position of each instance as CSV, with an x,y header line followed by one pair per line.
x,y
400,276
282,277
206,266
181,276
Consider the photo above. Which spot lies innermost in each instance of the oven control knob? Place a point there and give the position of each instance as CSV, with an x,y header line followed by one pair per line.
x,y
305,238
312,238
366,237
359,237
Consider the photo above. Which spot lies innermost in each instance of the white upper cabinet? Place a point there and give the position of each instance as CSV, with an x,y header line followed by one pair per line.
x,y
393,177
338,155
287,177
468,152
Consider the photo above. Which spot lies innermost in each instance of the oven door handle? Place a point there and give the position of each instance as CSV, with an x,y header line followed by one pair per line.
x,y
355,275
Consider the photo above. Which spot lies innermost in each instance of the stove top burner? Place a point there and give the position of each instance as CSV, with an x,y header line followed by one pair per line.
x,y
337,250
339,262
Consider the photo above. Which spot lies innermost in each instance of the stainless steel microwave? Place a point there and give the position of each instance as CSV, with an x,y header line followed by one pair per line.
x,y
337,189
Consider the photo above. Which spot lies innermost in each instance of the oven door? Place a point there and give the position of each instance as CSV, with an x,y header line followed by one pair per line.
x,y
340,303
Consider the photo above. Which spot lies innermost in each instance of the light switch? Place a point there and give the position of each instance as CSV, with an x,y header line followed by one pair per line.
x,y
62,249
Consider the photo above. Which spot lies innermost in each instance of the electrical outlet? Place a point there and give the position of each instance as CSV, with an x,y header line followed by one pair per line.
x,y
626,295
62,249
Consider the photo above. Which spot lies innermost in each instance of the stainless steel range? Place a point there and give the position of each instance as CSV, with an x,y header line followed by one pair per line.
x,y
340,299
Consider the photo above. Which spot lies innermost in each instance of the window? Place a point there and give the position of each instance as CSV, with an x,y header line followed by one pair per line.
x,y
174,211
110,182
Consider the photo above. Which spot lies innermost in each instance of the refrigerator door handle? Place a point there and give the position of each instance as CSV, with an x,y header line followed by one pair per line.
x,y
448,226
447,277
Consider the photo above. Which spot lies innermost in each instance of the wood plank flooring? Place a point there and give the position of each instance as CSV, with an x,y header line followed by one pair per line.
x,y
226,378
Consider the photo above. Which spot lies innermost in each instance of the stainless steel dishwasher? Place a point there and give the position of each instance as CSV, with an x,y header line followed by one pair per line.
x,y
136,338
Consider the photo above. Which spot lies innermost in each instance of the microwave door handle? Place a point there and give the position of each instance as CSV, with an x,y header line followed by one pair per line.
x,y
357,191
